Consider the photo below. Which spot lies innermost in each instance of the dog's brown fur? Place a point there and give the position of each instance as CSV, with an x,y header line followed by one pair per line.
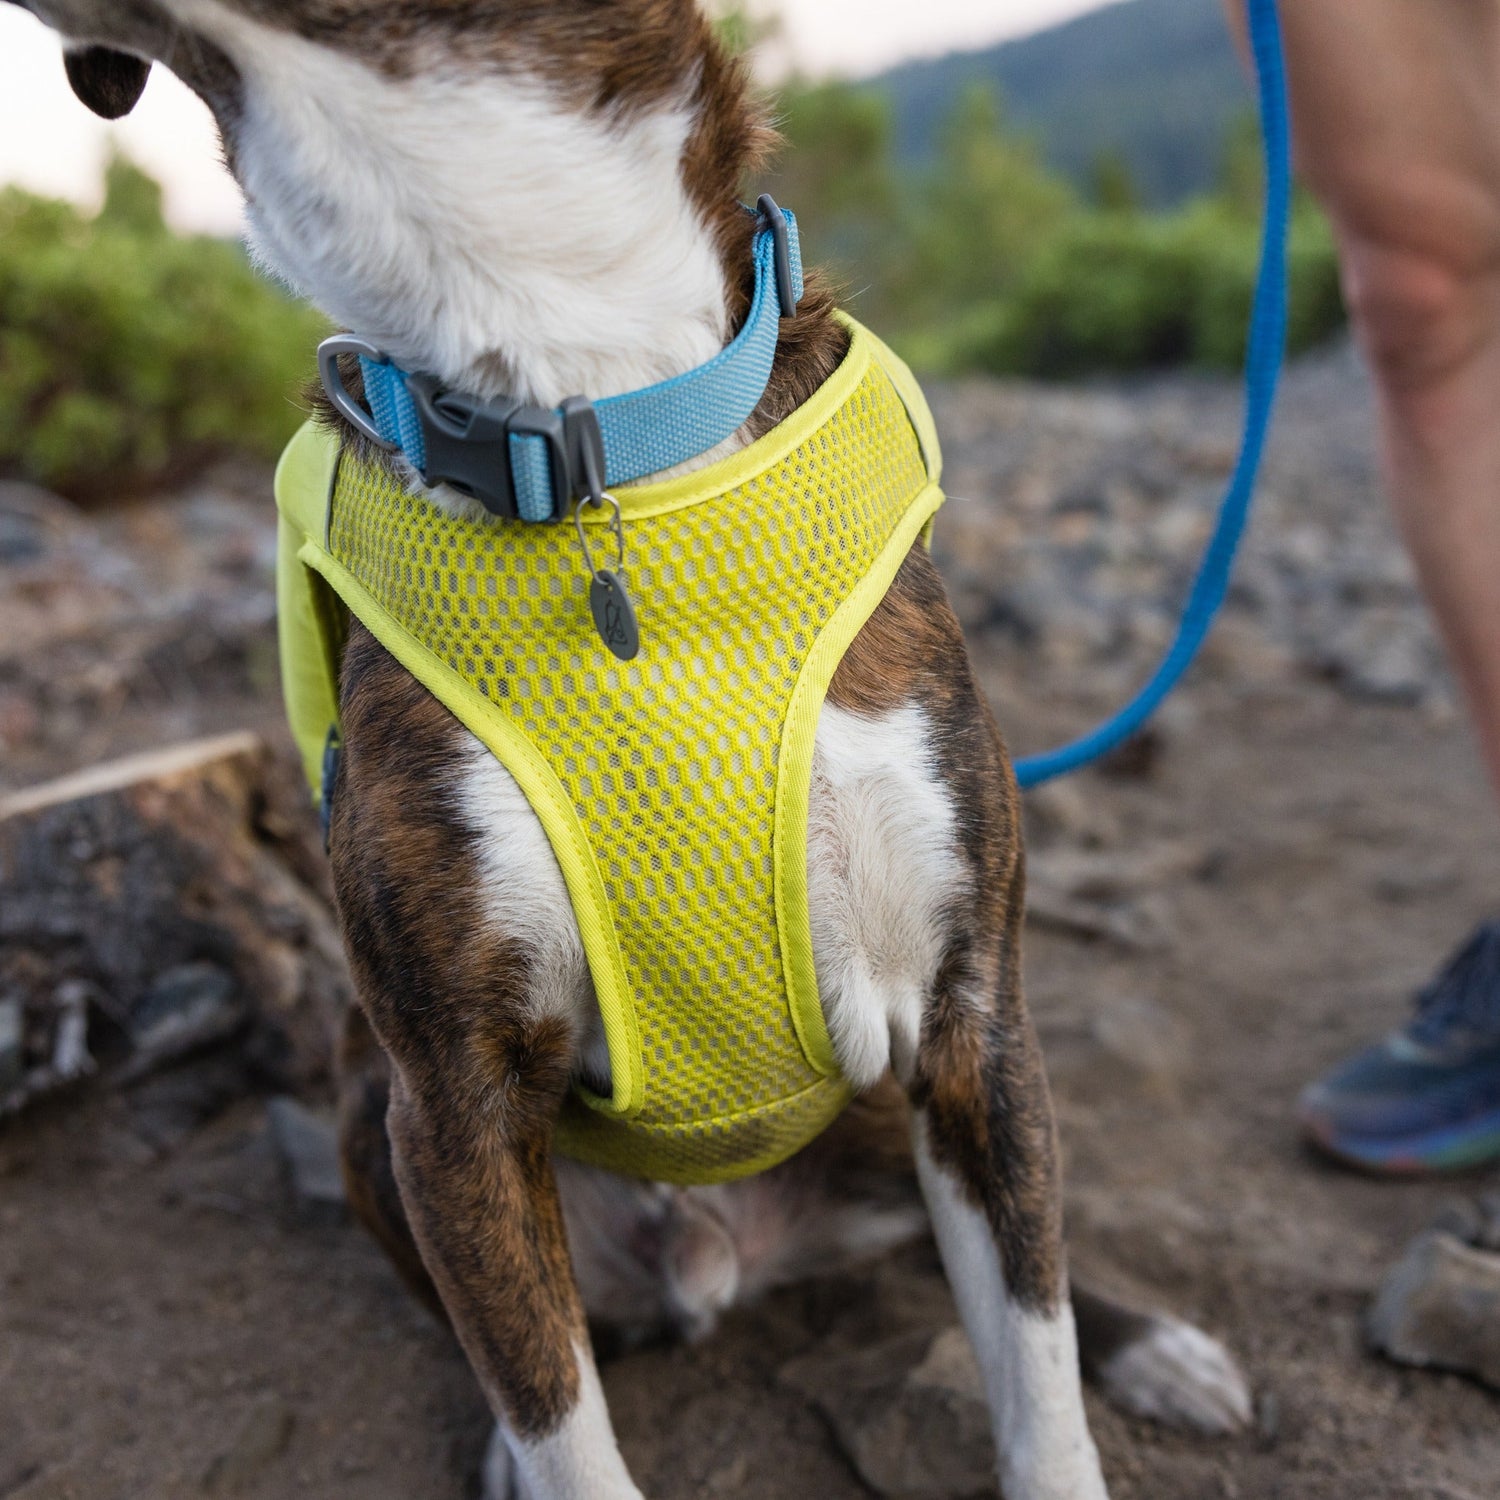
x,y
472,1096
474,1089
450,1090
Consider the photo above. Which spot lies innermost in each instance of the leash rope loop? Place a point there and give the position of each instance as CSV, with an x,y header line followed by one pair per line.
x,y
1265,351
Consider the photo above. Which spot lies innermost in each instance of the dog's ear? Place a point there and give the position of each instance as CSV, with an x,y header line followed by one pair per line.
x,y
110,83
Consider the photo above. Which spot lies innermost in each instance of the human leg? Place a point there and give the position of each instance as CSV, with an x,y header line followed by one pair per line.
x,y
1397,119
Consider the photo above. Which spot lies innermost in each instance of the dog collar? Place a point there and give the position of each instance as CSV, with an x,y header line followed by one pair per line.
x,y
529,462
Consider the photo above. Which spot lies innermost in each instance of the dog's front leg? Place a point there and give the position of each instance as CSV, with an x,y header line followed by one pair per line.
x,y
480,1062
986,1158
475,1175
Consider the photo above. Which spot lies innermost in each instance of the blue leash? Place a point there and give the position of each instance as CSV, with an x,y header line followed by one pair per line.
x,y
1262,370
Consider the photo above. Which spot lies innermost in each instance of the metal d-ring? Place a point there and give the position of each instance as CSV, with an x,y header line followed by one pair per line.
x,y
343,403
615,525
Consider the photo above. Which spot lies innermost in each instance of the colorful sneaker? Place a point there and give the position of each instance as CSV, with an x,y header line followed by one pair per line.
x,y
1427,1098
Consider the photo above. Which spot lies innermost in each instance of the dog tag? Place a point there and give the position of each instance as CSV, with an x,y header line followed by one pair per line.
x,y
614,614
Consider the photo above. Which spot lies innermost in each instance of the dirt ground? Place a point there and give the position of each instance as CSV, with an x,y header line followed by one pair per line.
x,y
170,1327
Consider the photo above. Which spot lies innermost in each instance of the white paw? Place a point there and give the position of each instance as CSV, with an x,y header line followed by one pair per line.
x,y
1177,1375
500,1479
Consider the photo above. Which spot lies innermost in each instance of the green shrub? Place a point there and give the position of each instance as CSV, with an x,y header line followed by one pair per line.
x,y
984,260
129,354
1116,292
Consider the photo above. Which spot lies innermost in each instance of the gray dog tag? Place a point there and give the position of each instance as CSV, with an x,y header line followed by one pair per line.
x,y
614,614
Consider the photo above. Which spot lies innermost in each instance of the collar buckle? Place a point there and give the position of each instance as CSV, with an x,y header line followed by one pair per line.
x,y
516,460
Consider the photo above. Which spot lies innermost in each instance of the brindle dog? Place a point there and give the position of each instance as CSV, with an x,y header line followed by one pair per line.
x,y
540,197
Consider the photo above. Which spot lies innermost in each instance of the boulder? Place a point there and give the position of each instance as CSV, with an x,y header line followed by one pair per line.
x,y
1440,1307
157,907
908,1413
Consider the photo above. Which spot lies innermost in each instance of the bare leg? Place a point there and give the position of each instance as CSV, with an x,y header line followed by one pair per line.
x,y
1397,118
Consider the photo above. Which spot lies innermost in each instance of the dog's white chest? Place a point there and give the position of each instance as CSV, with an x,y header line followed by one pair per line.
x,y
883,867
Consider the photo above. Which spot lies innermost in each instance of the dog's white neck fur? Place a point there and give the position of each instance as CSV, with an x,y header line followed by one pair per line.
x,y
487,231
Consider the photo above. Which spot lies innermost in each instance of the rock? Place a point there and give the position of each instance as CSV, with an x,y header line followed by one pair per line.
x,y
65,1056
1138,758
21,540
1410,881
306,1144
1144,926
1063,811
1475,1221
1107,894
12,1040
262,1439
1382,655
185,1008
1116,875
1147,1040
168,1107
70,1038
177,898
908,1413
31,519
1440,1307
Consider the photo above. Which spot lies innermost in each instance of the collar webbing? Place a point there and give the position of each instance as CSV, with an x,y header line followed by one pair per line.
x,y
529,462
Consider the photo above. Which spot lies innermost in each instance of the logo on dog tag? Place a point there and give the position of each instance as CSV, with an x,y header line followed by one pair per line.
x,y
614,614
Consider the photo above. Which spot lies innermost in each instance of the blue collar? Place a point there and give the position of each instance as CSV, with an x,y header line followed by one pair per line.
x,y
531,462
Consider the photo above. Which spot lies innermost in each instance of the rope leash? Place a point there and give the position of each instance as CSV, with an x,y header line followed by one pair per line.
x,y
1267,341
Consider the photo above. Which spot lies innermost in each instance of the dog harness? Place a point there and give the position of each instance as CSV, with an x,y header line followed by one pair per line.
x,y
673,787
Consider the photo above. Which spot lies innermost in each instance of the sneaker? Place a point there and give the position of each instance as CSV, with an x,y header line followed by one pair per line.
x,y
1427,1098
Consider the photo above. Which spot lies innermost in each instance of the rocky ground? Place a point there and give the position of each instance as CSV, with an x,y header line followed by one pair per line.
x,y
1246,894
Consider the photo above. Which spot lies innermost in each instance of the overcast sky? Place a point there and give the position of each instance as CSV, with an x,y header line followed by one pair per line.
x,y
48,141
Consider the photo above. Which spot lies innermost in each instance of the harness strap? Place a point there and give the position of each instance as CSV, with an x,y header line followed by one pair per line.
x,y
529,462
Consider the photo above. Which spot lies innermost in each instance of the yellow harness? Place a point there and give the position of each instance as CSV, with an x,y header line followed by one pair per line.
x,y
673,788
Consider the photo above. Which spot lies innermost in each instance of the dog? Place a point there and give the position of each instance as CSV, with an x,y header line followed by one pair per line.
x,y
539,197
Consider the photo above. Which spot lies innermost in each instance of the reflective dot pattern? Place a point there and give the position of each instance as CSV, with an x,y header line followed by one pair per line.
x,y
670,760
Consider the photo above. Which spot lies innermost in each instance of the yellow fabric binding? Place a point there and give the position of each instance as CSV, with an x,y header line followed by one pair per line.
x,y
673,788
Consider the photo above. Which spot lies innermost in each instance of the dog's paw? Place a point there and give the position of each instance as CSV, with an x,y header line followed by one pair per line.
x,y
1177,1375
500,1479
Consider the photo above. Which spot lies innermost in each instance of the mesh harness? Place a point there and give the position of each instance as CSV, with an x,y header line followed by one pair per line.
x,y
672,788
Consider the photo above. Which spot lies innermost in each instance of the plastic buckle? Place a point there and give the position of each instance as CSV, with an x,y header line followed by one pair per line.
x,y
770,211
467,443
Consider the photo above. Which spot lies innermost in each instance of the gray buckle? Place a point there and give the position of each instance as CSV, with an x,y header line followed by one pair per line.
x,y
467,443
468,440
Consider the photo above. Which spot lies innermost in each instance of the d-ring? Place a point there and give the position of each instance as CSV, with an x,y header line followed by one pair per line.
x,y
345,404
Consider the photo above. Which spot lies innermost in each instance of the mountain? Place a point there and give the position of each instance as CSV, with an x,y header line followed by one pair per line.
x,y
1156,81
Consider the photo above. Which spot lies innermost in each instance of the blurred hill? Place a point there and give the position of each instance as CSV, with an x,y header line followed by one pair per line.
x,y
1155,83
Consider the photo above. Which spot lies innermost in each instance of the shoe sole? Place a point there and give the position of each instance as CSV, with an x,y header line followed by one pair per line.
x,y
1453,1149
